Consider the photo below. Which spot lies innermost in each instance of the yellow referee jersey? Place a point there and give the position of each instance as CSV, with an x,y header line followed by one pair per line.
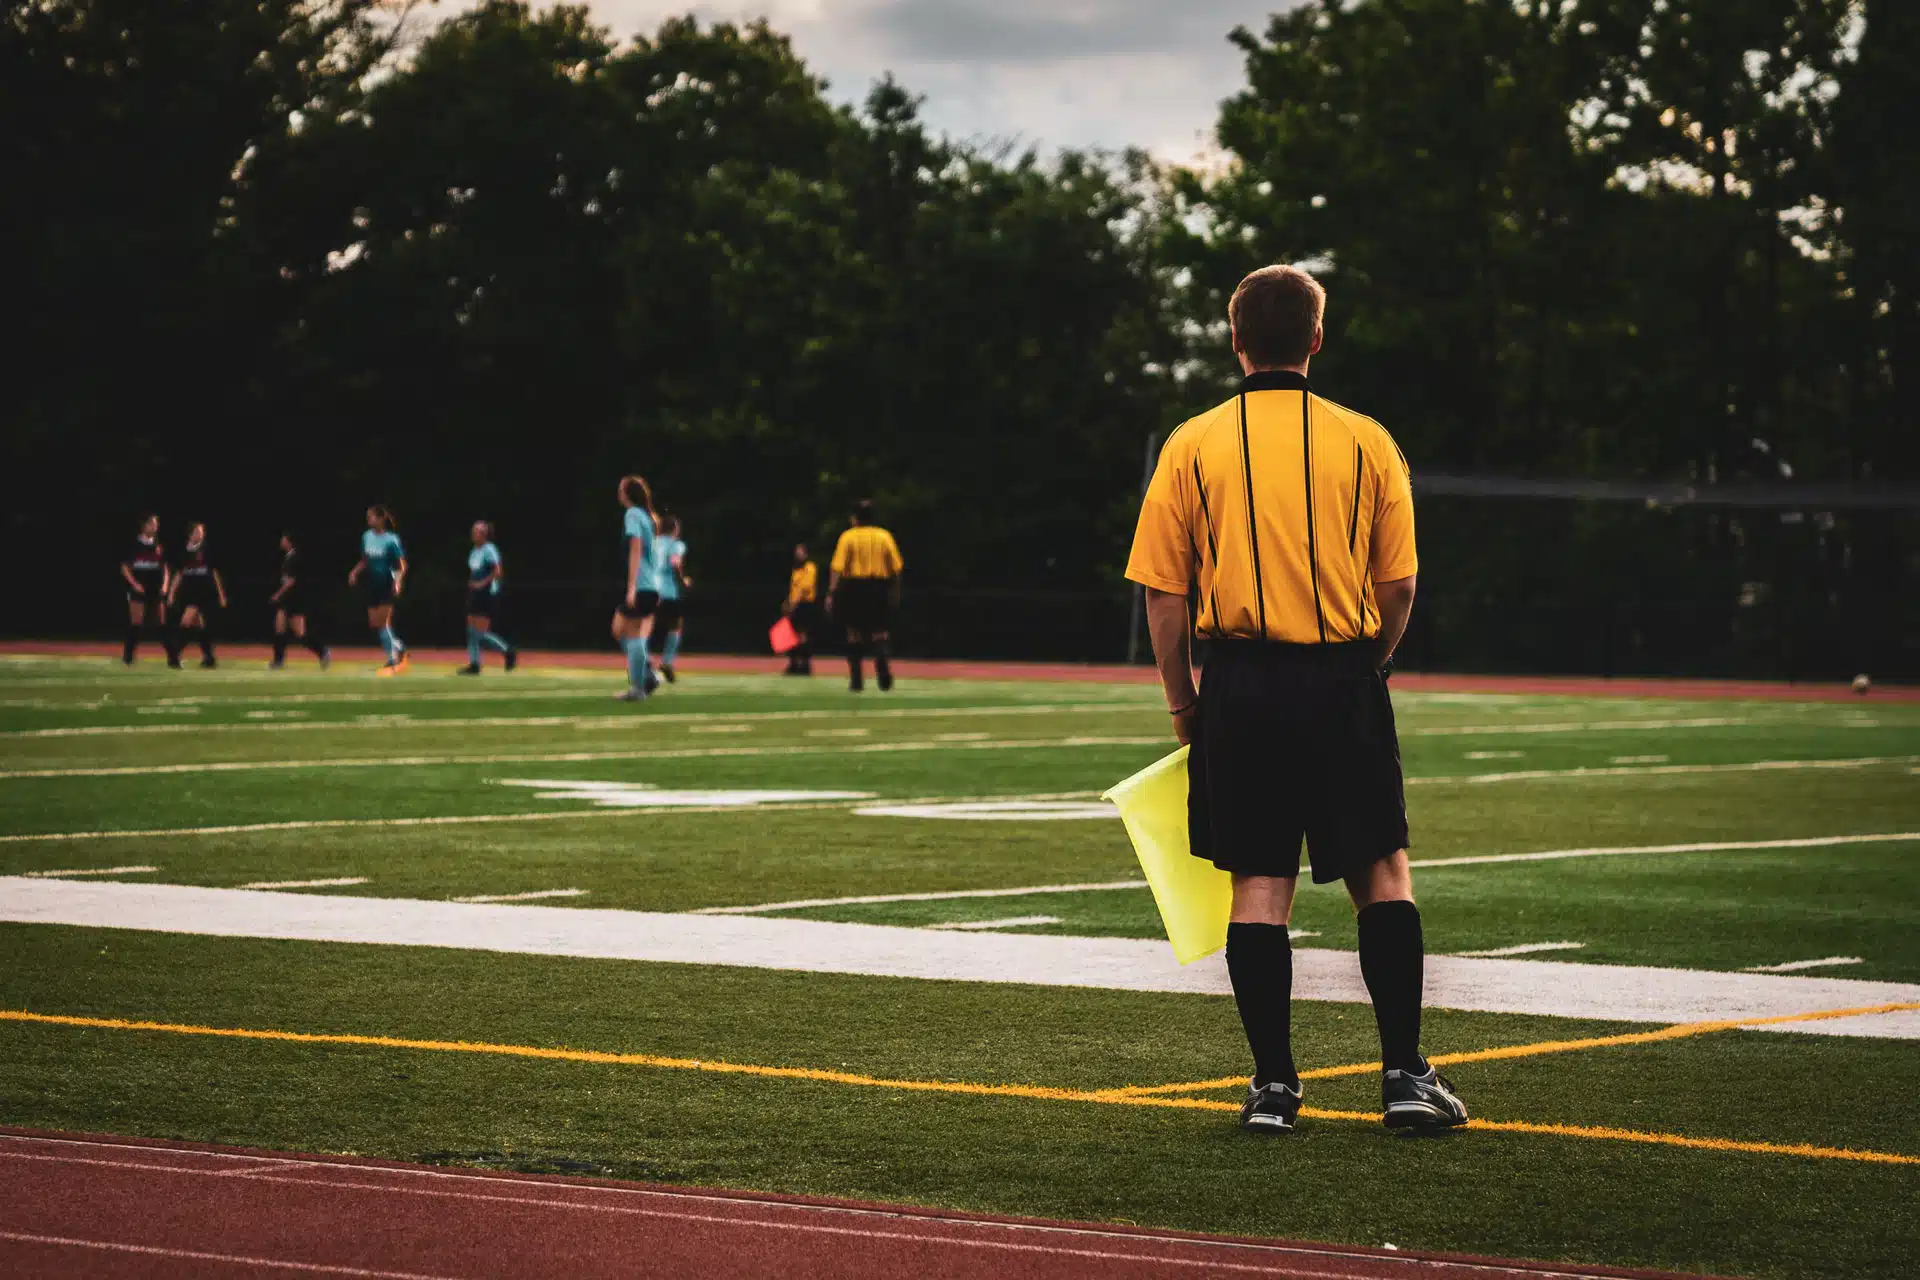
x,y
867,551
803,584
1281,509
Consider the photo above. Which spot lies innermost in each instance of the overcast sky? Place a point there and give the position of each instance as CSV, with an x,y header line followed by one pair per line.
x,y
1053,73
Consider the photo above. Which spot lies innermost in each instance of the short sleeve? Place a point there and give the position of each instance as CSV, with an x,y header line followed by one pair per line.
x,y
1162,556
842,553
493,555
393,541
894,563
1392,554
634,523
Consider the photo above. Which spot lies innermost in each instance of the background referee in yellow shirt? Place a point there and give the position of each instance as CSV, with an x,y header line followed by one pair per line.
x,y
1287,521
863,588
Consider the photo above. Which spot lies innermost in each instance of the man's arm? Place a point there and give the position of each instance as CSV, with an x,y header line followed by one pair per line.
x,y
1173,653
1396,606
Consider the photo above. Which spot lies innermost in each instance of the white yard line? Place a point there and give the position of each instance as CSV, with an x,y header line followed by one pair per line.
x,y
524,897
1710,846
1660,770
1793,966
90,871
1011,922
872,898
1524,949
1553,726
337,882
1540,987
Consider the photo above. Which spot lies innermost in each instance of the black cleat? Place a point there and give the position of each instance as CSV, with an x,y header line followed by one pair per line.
x,y
471,669
651,683
666,673
1270,1108
1421,1101
208,664
326,659
173,664
513,659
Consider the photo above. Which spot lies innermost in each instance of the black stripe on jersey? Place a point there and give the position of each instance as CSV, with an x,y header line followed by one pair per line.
x,y
1353,517
1313,553
1253,528
1213,544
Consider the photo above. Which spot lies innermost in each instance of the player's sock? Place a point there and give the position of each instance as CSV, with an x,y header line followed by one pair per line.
x,y
389,643
637,662
856,676
206,645
170,640
129,643
1260,966
279,648
492,640
1392,960
313,644
473,646
399,645
882,669
806,658
672,650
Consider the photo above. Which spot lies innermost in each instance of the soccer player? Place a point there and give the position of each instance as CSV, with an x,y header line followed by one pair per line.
x,y
670,580
194,592
144,570
289,602
1290,520
383,563
633,616
483,601
863,589
803,590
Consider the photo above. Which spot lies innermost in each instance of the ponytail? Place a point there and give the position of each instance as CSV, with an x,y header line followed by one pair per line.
x,y
636,491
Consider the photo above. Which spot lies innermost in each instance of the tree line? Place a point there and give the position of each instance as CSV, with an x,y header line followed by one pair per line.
x,y
280,259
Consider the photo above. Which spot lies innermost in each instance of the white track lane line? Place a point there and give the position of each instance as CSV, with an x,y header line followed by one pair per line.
x,y
338,882
1011,922
1793,966
1524,949
1709,846
524,897
90,871
201,1255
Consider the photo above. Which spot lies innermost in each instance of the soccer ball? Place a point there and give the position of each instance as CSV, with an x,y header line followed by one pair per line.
x,y
1861,684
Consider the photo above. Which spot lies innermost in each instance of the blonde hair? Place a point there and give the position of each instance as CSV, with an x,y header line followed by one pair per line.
x,y
1275,313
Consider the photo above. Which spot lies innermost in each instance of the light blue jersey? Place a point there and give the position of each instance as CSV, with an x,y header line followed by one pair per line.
x,y
666,581
481,561
640,525
382,552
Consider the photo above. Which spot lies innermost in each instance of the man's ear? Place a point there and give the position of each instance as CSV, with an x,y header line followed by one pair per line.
x,y
1319,332
1236,338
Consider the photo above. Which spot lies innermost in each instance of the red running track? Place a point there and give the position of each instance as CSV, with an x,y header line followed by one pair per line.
x,y
74,1204
428,661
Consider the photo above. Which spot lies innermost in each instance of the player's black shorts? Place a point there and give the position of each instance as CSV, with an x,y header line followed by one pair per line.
x,y
199,596
863,604
670,613
150,584
644,604
483,604
378,589
803,615
293,604
1295,741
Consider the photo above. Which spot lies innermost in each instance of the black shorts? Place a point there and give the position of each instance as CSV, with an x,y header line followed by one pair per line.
x,y
203,598
644,604
293,604
483,604
1295,741
864,604
378,589
151,586
670,613
803,615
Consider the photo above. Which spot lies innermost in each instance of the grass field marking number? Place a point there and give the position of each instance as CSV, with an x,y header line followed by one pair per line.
x,y
1035,1092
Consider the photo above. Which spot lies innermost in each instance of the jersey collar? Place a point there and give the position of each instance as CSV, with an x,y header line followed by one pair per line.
x,y
1274,380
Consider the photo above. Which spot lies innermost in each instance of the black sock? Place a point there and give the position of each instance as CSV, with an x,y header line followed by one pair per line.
x,y
1392,959
279,649
805,653
314,645
169,638
855,652
206,645
1260,964
129,643
882,670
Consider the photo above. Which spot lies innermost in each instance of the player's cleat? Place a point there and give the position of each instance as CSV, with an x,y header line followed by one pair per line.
x,y
326,659
885,681
401,664
631,695
1421,1101
471,669
666,673
278,664
513,659
652,683
1270,1108
173,664
208,664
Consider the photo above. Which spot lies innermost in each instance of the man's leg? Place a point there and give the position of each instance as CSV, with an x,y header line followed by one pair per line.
x,y
882,668
856,653
1260,966
1392,956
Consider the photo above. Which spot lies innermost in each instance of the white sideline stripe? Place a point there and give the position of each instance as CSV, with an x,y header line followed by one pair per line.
x,y
1793,965
1011,922
337,882
1552,726
202,1255
581,757
89,871
454,820
872,898
1645,771
1709,846
632,720
1553,988
1524,949
524,897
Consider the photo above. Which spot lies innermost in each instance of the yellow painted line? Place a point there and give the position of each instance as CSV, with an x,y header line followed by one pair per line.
x,y
1679,1031
1110,1097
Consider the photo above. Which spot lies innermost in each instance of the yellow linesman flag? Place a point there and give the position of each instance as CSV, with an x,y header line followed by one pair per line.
x,y
1194,896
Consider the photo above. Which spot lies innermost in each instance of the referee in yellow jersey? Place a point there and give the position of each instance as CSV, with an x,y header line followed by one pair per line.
x,y
803,585
1287,521
863,589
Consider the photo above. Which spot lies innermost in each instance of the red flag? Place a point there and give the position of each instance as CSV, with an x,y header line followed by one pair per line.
x,y
783,637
